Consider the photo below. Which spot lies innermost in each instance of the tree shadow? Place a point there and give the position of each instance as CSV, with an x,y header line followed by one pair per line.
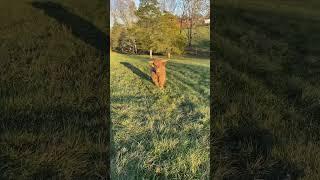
x,y
93,36
81,28
136,71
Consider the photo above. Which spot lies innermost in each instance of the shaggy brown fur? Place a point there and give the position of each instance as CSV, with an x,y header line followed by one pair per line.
x,y
158,72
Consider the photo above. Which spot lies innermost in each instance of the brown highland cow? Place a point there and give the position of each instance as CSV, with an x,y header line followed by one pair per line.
x,y
158,72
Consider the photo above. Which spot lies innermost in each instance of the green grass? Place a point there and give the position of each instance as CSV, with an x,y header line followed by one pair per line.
x,y
200,41
52,91
160,134
266,98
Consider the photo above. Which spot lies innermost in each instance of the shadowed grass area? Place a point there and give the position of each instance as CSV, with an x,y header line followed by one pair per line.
x,y
266,100
136,71
53,87
160,134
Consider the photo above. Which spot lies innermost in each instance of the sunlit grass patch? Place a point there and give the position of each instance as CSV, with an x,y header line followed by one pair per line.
x,y
166,127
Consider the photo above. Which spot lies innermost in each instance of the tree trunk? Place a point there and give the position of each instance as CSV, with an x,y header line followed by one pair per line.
x,y
135,46
169,55
190,33
150,53
181,25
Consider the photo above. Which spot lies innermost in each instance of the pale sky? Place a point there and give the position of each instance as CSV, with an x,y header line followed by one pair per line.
x,y
137,2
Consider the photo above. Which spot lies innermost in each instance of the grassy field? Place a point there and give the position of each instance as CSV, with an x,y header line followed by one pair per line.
x,y
266,98
200,41
53,90
160,133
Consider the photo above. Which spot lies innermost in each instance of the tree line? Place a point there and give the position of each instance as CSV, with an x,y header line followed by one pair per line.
x,y
156,26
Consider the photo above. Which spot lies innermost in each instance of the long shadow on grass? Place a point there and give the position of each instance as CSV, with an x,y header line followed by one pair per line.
x,y
81,28
93,36
136,71
87,32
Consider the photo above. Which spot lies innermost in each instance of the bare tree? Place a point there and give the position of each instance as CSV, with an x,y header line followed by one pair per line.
x,y
168,5
114,16
191,11
123,11
182,8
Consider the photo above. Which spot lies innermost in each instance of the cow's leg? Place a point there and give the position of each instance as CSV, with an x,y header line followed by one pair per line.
x,y
162,80
155,79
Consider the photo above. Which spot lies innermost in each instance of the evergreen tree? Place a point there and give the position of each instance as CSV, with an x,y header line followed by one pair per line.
x,y
167,37
154,31
148,17
158,32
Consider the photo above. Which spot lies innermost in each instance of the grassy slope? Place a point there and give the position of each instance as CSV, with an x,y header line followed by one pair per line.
x,y
202,38
200,41
50,95
163,133
266,100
